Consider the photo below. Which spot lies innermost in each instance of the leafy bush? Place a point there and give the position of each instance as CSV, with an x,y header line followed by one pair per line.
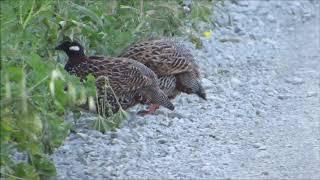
x,y
33,100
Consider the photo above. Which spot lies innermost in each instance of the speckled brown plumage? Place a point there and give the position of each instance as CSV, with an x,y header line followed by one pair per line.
x,y
168,86
131,81
172,62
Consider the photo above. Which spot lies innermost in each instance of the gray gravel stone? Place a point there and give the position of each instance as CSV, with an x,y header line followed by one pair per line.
x,y
312,94
206,83
271,18
295,80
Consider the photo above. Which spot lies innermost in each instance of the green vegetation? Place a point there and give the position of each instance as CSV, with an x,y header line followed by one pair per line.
x,y
33,100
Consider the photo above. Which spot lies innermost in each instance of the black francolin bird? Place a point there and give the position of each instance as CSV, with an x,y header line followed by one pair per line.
x,y
131,81
172,62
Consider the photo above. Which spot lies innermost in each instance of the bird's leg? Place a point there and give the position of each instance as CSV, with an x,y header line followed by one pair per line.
x,y
151,110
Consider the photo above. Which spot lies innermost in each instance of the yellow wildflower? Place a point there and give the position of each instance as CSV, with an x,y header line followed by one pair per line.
x,y
207,34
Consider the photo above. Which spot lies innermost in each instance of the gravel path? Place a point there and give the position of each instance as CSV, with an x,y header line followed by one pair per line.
x,y
262,120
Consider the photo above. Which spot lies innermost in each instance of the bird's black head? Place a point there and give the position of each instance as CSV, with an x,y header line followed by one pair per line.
x,y
72,49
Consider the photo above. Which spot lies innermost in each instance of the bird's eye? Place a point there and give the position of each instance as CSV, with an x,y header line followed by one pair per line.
x,y
74,48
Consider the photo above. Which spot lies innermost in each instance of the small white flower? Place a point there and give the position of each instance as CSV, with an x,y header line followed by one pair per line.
x,y
92,104
56,74
52,87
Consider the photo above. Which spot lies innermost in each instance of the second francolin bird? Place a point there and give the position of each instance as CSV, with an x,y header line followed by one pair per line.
x,y
172,62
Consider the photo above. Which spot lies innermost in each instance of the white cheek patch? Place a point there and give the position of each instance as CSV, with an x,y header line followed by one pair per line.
x,y
74,48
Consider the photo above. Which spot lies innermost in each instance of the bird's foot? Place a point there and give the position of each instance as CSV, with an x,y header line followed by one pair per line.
x,y
151,110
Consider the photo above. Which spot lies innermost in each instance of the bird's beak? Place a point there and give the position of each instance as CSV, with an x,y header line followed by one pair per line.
x,y
58,48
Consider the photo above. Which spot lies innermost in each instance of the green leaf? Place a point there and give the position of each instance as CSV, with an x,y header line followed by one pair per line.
x,y
26,171
60,94
90,86
36,63
89,13
15,74
39,68
44,166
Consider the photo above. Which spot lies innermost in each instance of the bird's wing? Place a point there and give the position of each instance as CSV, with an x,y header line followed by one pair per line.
x,y
124,75
164,57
